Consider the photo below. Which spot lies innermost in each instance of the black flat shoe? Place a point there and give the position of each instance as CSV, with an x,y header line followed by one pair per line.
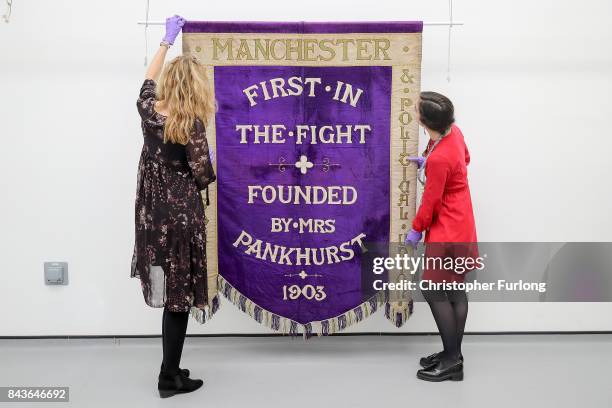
x,y
183,370
441,371
433,359
170,384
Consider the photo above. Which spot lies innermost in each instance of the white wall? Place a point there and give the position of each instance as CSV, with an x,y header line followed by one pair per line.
x,y
531,81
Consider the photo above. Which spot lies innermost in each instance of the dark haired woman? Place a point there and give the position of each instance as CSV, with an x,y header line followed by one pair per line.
x,y
446,216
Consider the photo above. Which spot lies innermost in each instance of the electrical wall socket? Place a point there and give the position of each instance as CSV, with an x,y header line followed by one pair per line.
x,y
56,273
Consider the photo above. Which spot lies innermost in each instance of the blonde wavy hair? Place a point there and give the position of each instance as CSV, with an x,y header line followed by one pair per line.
x,y
183,86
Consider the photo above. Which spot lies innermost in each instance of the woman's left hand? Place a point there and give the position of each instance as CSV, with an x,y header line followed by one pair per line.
x,y
174,25
413,238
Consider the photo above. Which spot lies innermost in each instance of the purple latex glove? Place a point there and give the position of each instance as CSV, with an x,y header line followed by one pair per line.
x,y
419,160
211,154
174,25
413,238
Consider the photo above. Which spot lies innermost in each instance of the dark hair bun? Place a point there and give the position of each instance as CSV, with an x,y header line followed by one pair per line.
x,y
436,111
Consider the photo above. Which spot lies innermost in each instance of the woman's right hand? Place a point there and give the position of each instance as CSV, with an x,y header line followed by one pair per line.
x,y
174,25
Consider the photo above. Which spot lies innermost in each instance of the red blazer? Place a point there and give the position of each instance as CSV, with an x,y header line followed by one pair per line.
x,y
446,211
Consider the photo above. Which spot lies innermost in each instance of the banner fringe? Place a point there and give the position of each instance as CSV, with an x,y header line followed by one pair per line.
x,y
202,316
399,312
320,328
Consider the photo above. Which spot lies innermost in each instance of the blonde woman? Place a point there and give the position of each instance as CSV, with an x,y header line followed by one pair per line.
x,y
175,165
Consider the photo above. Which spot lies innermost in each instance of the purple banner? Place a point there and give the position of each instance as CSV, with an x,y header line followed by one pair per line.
x,y
303,181
314,124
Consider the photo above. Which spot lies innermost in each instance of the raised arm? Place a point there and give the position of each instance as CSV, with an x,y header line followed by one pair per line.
x,y
198,157
174,25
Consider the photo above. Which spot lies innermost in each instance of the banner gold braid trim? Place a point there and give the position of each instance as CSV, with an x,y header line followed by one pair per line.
x,y
202,316
399,309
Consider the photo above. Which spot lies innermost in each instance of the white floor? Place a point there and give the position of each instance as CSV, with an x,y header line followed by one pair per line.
x,y
368,371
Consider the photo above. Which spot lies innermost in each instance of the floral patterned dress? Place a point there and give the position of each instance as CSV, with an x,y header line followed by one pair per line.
x,y
170,242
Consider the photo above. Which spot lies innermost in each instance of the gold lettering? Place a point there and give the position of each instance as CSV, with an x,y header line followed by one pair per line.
x,y
405,103
244,51
309,44
305,49
328,49
381,45
407,77
344,42
273,45
403,159
217,46
362,50
403,198
405,118
293,48
265,51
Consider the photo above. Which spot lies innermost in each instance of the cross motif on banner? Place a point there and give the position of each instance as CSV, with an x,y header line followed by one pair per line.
x,y
303,164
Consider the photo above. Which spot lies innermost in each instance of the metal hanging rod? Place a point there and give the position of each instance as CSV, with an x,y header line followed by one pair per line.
x,y
427,23
444,23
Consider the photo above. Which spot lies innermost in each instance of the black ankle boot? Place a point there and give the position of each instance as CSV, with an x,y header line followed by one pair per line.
x,y
183,370
176,383
442,370
433,359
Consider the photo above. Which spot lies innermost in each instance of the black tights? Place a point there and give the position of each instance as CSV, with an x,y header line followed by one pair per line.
x,y
174,328
449,309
